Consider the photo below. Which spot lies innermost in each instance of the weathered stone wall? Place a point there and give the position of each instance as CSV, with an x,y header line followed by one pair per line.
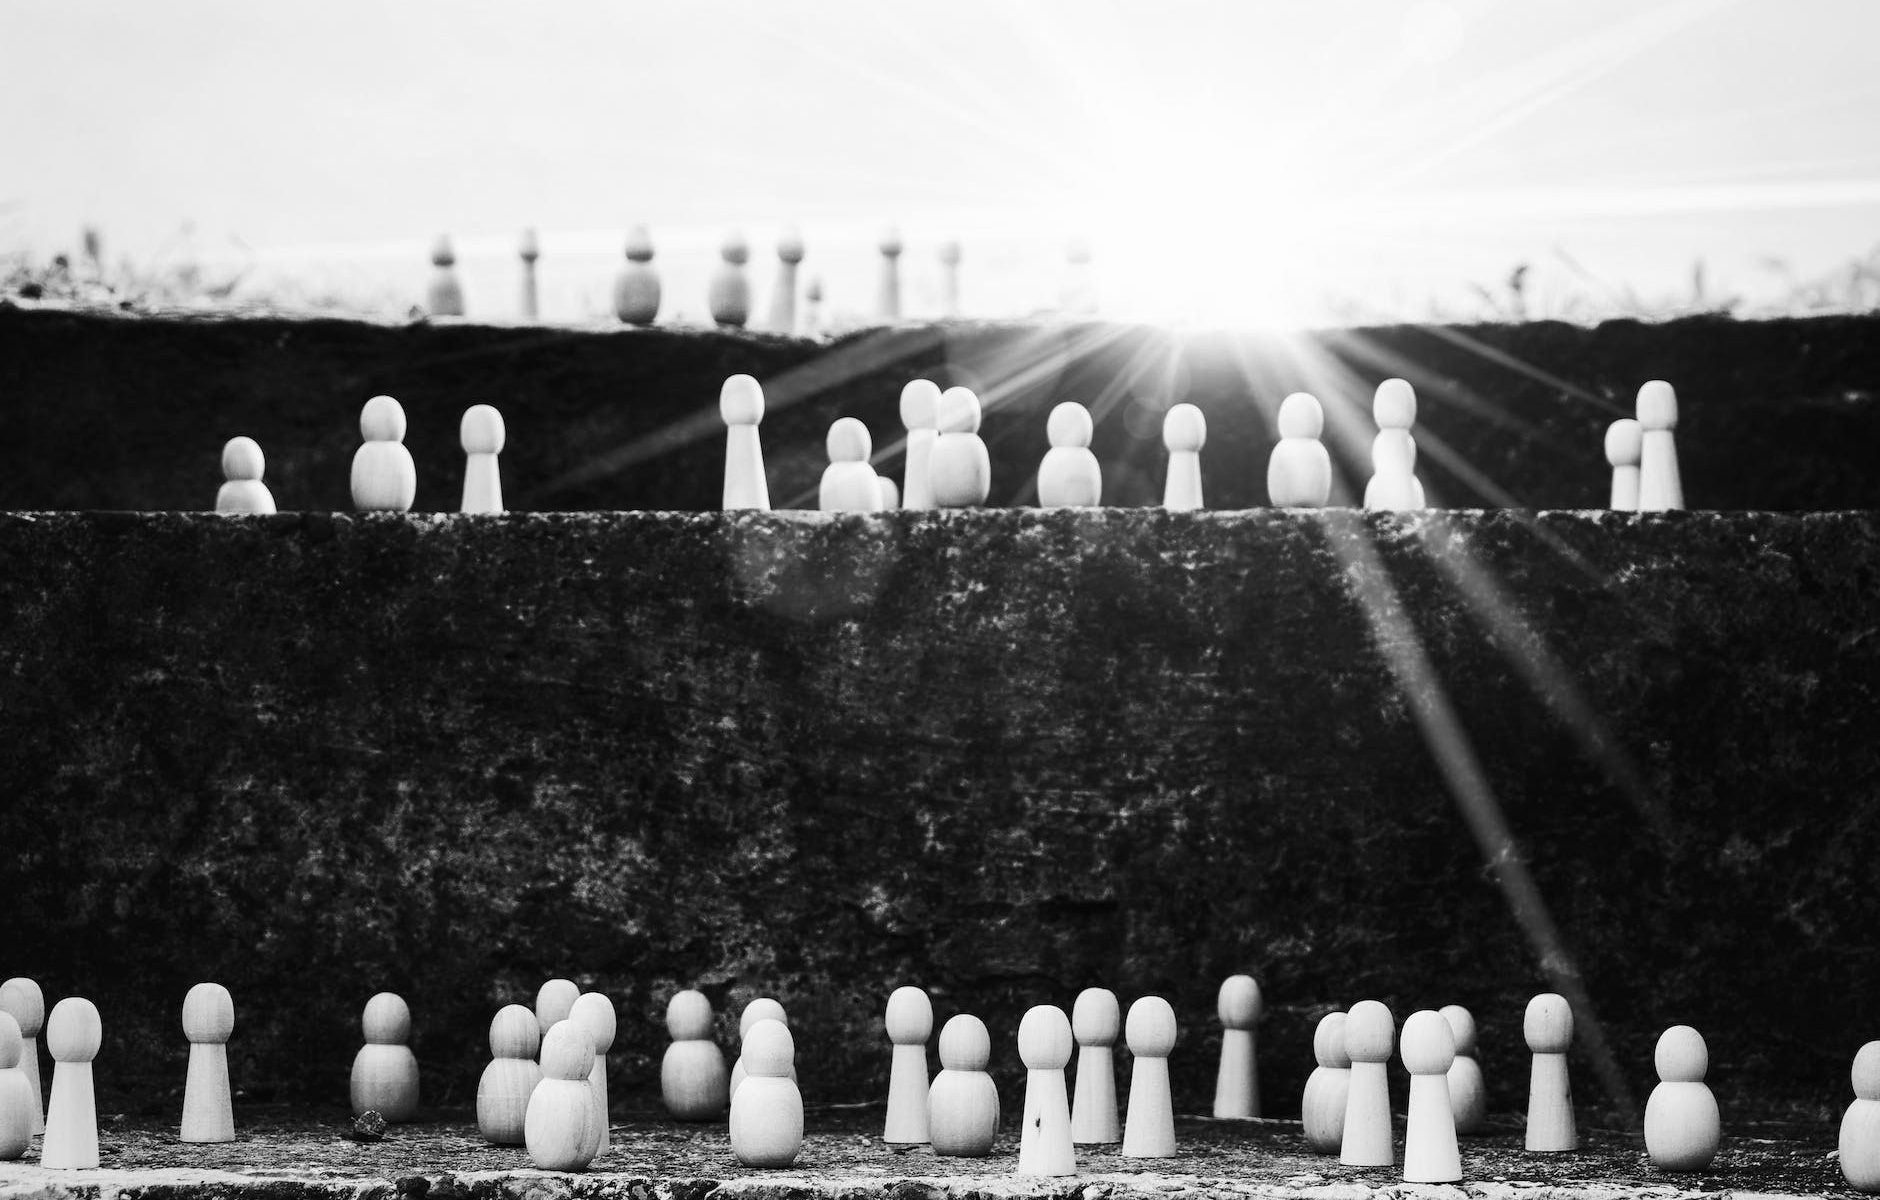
x,y
115,412
1005,755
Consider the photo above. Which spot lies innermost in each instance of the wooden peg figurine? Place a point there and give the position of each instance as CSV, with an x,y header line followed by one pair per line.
x,y
1430,1154
1659,488
21,999
729,298
503,1090
1149,1131
384,479
920,415
767,1112
560,1129
594,1012
481,432
693,1078
208,1020
950,278
528,249
73,1034
1070,475
445,297
741,405
761,1009
959,470
554,1000
1625,441
849,482
889,304
242,466
963,1103
1682,1126
1237,1083
636,288
17,1102
385,1072
1394,486
783,298
1299,471
1860,1125
1044,1046
1370,1031
1328,1088
1096,1020
1549,1031
909,1021
1184,432
1467,1092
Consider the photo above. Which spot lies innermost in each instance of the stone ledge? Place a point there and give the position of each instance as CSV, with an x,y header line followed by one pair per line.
x,y
843,1159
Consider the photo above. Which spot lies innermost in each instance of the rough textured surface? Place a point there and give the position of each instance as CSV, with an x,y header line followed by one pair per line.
x,y
1004,755
294,1156
131,413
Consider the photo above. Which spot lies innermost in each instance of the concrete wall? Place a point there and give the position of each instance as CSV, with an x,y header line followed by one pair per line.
x,y
1004,755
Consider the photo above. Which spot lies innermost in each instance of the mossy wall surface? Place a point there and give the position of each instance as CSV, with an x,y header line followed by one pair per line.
x,y
1003,755
113,412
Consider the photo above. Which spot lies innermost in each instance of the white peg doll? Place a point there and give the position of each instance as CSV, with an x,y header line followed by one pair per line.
x,y
1070,475
958,469
761,1009
554,1000
242,466
889,302
560,1129
594,1012
385,1072
1096,1020
208,1020
1860,1126
18,1104
1149,1130
384,479
1548,1028
528,249
73,1034
741,405
1370,1031
1237,1084
693,1079
445,297
1430,1153
1659,488
849,483
950,278
729,297
636,288
1044,1046
890,493
1467,1092
1184,432
481,432
1299,472
920,414
783,296
963,1103
1328,1088
1682,1126
767,1111
504,1088
1394,485
21,999
1625,441
909,1021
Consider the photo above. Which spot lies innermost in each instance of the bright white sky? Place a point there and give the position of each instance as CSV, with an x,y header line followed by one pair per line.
x,y
1238,159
